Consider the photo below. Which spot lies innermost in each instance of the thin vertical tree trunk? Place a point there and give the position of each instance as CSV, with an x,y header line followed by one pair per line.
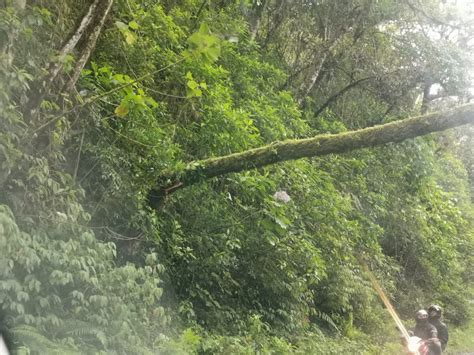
x,y
41,88
256,18
426,96
307,85
89,43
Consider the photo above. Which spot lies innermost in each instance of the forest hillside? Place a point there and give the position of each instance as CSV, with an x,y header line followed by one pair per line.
x,y
213,177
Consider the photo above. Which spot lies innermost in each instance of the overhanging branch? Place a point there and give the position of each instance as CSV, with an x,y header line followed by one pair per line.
x,y
397,131
338,94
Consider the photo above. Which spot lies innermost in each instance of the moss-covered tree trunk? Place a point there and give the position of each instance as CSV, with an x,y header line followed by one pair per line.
x,y
310,147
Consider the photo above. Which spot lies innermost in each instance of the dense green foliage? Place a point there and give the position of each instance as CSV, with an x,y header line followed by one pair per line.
x,y
229,265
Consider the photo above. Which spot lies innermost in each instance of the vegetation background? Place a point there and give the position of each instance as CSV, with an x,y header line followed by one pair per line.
x,y
102,101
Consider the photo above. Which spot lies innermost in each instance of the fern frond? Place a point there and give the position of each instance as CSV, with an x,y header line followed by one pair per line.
x,y
325,317
76,327
31,338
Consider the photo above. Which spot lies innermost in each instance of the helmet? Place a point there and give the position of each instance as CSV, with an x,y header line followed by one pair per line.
x,y
434,311
421,315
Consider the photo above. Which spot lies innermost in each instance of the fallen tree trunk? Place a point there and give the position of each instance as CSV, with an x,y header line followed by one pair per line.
x,y
311,147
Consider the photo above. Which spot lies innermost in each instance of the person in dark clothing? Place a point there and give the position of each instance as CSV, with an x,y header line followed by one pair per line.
x,y
427,332
434,317
423,328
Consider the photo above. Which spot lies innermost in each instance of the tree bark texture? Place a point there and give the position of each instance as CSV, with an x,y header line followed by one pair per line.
x,y
40,89
256,18
426,96
307,85
397,131
89,43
